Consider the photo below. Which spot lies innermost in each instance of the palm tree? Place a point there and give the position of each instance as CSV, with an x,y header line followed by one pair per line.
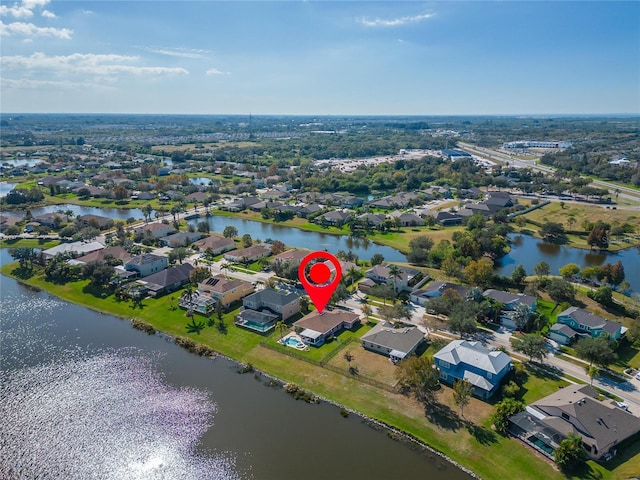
x,y
69,214
366,311
395,273
189,295
146,211
281,327
593,372
353,272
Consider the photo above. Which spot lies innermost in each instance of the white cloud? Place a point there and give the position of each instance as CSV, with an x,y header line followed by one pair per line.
x,y
16,11
31,4
215,71
395,22
48,14
29,29
178,52
86,63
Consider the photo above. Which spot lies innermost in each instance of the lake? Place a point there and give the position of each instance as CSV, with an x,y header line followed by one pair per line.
x,y
85,396
363,247
529,251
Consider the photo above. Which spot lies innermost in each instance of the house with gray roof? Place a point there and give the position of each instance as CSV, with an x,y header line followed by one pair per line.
x,y
483,368
587,324
262,309
74,249
436,289
168,280
216,244
396,343
511,300
146,264
575,409
180,239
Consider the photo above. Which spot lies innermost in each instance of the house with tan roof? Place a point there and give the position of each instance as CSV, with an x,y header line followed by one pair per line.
x,y
225,290
316,327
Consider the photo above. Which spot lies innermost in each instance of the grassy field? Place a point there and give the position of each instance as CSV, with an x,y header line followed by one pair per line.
x,y
554,212
469,441
28,242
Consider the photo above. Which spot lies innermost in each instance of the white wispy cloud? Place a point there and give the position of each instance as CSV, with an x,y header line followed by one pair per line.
x,y
394,22
31,30
48,14
215,71
178,52
31,4
86,63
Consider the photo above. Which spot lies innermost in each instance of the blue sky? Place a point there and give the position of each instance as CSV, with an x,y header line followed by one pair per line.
x,y
323,57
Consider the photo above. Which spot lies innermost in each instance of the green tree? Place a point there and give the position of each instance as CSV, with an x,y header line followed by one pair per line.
x,y
146,211
246,240
189,295
479,272
281,328
603,295
561,291
570,453
595,350
503,410
518,274
395,272
24,255
462,392
552,232
203,227
230,231
462,318
542,269
569,270
419,376
593,372
532,345
199,274
376,259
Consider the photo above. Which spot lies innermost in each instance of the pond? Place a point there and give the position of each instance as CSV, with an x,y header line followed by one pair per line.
x,y
6,188
362,247
529,251
114,213
22,162
203,181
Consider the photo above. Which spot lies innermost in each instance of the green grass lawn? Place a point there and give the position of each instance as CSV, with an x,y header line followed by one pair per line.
x,y
43,244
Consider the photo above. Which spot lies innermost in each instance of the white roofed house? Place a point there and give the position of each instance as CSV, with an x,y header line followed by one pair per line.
x,y
74,249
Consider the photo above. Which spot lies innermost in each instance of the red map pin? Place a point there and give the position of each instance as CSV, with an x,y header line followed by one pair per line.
x,y
321,287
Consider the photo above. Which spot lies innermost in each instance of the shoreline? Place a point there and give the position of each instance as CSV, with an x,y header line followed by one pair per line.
x,y
212,354
394,416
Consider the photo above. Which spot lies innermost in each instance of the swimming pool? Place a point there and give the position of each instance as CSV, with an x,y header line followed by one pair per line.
x,y
293,342
540,444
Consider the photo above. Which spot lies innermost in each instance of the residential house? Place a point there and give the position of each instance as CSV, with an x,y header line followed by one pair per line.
x,y
316,327
382,274
180,239
442,216
240,204
375,220
464,360
146,264
110,253
8,221
248,255
262,309
74,249
334,217
575,409
307,210
49,219
292,257
96,221
587,324
407,219
274,195
196,197
563,334
396,343
224,290
216,244
157,230
257,207
168,280
436,289
511,300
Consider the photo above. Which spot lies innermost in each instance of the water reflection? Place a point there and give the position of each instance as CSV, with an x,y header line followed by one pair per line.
x,y
529,251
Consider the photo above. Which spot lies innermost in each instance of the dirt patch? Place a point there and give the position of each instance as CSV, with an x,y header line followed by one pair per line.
x,y
368,364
